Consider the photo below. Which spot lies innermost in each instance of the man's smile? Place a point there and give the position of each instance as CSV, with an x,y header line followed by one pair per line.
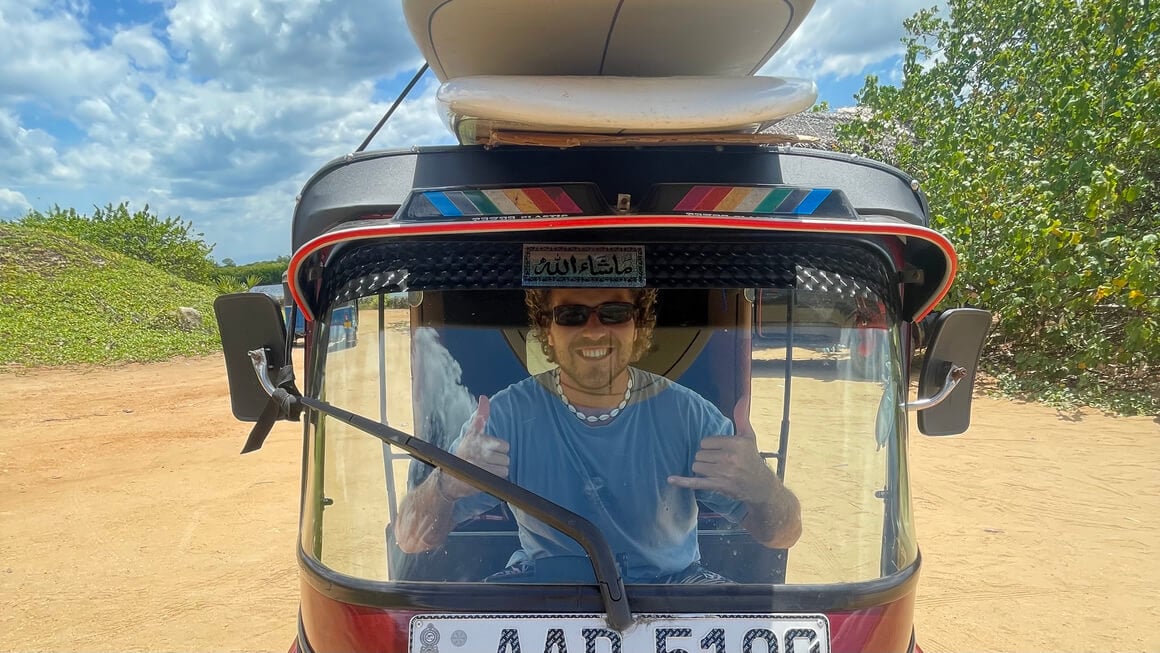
x,y
594,353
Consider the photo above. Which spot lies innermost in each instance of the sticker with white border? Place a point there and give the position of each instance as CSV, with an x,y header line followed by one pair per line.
x,y
584,266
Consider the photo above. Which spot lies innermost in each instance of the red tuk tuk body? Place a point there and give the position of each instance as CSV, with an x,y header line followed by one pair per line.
x,y
775,294
744,303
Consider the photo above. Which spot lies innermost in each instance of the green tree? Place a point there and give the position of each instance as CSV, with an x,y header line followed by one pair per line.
x,y
1034,127
259,272
167,243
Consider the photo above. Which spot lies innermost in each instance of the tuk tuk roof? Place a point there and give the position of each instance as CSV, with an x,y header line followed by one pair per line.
x,y
356,198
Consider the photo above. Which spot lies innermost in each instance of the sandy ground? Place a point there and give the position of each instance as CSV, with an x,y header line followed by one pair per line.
x,y
130,522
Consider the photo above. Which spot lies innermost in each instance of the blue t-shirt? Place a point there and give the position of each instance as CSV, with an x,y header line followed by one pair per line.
x,y
614,474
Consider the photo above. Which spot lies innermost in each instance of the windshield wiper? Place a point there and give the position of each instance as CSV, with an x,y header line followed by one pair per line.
x,y
585,533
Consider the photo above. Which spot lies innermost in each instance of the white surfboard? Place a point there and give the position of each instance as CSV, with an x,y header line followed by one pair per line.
x,y
474,107
649,38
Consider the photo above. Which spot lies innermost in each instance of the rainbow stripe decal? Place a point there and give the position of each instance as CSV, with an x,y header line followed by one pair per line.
x,y
486,203
752,199
758,200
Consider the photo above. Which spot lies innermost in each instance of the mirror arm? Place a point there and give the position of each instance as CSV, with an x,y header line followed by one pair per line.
x,y
954,375
281,390
262,369
282,404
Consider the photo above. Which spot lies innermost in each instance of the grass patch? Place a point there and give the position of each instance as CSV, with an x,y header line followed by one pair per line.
x,y
65,301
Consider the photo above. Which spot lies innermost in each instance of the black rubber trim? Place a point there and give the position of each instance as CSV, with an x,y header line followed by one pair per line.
x,y
488,597
846,266
304,644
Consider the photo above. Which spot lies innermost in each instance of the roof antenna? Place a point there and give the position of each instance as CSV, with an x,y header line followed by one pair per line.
x,y
387,115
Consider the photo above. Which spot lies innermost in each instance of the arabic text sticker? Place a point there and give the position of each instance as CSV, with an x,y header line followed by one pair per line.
x,y
584,266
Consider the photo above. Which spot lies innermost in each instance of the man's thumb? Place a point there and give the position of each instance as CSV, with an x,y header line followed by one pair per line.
x,y
482,411
741,425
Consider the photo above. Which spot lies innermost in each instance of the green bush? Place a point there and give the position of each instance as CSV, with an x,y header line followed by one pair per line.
x,y
64,300
259,273
1033,128
167,243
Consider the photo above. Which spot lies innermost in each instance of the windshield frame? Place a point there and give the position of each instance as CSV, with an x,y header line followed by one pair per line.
x,y
895,581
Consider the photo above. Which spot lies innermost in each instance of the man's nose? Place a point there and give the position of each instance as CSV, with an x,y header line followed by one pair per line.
x,y
594,323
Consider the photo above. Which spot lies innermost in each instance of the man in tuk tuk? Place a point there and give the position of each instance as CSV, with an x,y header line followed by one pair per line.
x,y
629,450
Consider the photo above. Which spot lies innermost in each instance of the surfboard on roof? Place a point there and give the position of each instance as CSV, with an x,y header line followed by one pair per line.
x,y
635,38
474,107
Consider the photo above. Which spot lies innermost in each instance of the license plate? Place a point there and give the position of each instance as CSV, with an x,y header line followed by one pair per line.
x,y
588,633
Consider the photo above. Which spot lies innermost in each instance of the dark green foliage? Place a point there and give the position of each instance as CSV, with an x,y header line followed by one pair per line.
x,y
167,243
1034,129
254,274
391,300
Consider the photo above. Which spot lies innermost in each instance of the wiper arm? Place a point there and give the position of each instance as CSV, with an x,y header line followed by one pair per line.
x,y
585,533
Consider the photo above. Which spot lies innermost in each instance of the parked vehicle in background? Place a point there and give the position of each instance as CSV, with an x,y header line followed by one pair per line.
x,y
277,292
344,323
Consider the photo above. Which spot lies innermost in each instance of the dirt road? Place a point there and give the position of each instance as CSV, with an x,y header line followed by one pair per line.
x,y
131,523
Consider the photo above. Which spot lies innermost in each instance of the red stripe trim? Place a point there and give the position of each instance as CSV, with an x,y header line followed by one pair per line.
x,y
692,198
562,200
713,198
542,201
629,222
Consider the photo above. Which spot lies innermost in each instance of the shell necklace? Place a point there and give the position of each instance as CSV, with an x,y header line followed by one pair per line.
x,y
593,419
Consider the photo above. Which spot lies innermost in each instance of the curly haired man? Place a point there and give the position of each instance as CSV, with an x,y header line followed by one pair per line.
x,y
629,450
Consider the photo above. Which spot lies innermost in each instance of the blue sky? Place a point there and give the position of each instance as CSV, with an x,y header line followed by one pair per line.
x,y
219,110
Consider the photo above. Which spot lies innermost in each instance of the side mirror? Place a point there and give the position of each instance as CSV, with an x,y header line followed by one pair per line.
x,y
948,373
247,322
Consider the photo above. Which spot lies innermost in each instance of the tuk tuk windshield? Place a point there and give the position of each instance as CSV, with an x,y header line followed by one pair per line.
x,y
811,374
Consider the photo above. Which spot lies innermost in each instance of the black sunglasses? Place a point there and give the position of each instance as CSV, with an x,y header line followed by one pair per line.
x,y
574,315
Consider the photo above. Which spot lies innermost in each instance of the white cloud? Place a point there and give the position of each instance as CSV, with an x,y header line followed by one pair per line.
x,y
13,203
226,135
247,228
208,141
28,153
233,161
45,55
141,47
416,122
219,110
94,110
318,43
841,38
